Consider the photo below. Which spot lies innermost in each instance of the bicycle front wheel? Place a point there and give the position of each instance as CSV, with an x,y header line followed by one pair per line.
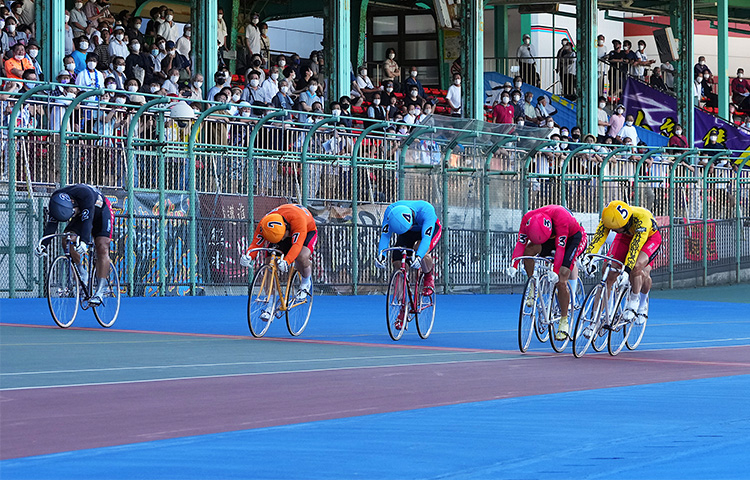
x,y
541,322
588,323
298,309
396,307
261,302
618,333
637,329
106,312
425,310
553,319
526,315
63,291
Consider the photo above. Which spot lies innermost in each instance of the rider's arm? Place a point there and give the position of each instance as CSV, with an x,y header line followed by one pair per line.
x,y
522,241
640,237
258,241
385,237
86,199
49,229
429,230
599,238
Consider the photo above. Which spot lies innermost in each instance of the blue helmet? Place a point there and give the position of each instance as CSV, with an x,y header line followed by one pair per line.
x,y
61,207
400,219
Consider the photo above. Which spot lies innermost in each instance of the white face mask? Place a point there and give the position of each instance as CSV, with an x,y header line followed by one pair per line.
x,y
417,111
33,53
170,17
282,63
505,99
713,138
91,65
678,132
79,5
363,73
703,62
313,89
187,33
376,101
119,37
391,56
629,123
284,89
119,100
274,76
519,84
83,45
601,43
236,97
67,18
414,73
254,82
246,113
521,123
12,29
414,93
198,84
221,16
526,41
602,104
174,78
136,47
457,81
620,111
111,86
740,75
516,98
389,89
70,67
132,88
335,112
706,76
154,89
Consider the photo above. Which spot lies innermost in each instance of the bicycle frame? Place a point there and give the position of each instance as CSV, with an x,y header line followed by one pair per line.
x,y
412,296
544,264
92,262
276,255
608,269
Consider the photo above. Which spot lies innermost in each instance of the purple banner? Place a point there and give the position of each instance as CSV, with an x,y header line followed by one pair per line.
x,y
657,111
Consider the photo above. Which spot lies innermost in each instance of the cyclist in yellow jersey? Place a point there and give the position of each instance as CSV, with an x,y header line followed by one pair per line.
x,y
636,245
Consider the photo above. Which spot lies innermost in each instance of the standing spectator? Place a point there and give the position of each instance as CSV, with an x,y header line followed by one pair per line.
x,y
741,91
90,77
270,86
638,70
529,111
14,35
616,121
307,99
32,51
517,103
118,47
136,65
79,55
18,63
155,62
219,81
196,87
376,111
78,19
453,97
170,84
26,15
602,120
526,55
173,60
628,131
68,34
601,55
698,89
543,110
168,28
618,68
133,31
118,72
656,81
678,140
712,100
503,111
265,44
102,49
667,71
558,57
391,69
183,43
252,35
630,57
412,81
153,25
97,14
221,33
568,71
701,67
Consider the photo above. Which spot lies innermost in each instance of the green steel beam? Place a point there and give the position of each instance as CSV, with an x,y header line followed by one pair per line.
x,y
337,38
303,157
204,18
501,35
526,24
704,240
564,169
670,205
682,17
50,33
416,132
738,215
359,38
232,34
473,59
722,14
587,66
637,178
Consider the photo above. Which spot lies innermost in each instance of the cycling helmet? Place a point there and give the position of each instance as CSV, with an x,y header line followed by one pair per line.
x,y
616,214
400,219
61,207
539,228
273,227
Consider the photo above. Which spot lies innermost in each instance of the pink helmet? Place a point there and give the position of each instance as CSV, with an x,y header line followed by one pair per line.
x,y
539,228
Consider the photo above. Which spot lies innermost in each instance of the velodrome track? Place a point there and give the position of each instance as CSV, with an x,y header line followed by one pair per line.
x,y
179,389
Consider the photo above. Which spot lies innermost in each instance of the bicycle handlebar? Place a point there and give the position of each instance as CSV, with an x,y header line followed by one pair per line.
x,y
273,251
533,258
400,249
600,257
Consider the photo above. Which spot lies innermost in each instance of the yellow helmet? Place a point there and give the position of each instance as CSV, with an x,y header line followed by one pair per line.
x,y
273,227
616,214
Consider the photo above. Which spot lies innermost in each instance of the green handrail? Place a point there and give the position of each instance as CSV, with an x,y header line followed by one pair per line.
x,y
672,170
417,132
564,169
706,168
637,178
12,184
303,157
130,185
193,255
64,131
738,214
355,201
525,171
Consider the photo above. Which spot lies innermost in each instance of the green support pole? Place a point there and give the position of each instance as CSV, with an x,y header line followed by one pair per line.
x,y
525,24
587,87
204,19
413,136
682,17
355,201
303,158
602,169
50,33
63,154
338,26
193,255
12,184
501,35
358,38
130,188
722,15
738,214
670,206
161,276
639,165
233,32
473,59
704,242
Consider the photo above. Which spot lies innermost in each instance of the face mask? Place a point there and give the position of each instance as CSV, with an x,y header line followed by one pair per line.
x,y
564,133
506,100
33,53
629,123
391,56
417,111
641,47
154,89
119,37
274,76
699,79
703,62
79,5
187,33
576,136
678,132
67,18
376,101
236,97
519,84
155,52
255,21
713,138
403,130
132,88
284,89
389,89
363,73
196,111
64,80
171,52
527,41
313,89
91,65
256,62
414,93
620,111
601,43
345,106
296,61
18,57
254,82
264,31
221,16
119,100
174,78
521,123
70,67
162,45
457,81
740,75
170,17
507,88
336,112
706,76
551,124
111,86
414,73
282,63
246,113
138,26
563,146
120,68
627,48
516,98
136,47
602,104
83,45
198,84
411,112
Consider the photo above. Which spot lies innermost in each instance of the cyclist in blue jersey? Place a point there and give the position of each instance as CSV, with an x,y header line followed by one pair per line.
x,y
417,226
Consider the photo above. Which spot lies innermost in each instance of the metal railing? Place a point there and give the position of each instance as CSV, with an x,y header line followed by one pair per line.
x,y
185,191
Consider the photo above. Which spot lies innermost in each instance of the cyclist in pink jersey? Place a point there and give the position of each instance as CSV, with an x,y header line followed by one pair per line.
x,y
544,231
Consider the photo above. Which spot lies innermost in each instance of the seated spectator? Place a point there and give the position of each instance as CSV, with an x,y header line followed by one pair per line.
x,y
78,19
196,87
91,77
377,111
656,81
712,100
290,74
387,92
170,84
183,44
363,86
503,111
137,65
256,63
413,82
173,60
133,31
628,131
154,60
282,99
308,98
304,82
117,71
393,109
346,105
529,110
98,14
616,121
252,92
678,140
413,98
700,68
270,87
32,51
168,28
516,103
14,34
18,63
543,110
70,65
745,122
741,91
453,97
79,55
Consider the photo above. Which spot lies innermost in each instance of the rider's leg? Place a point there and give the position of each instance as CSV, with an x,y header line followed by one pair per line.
x,y
101,244
563,298
82,272
636,284
303,264
530,250
645,288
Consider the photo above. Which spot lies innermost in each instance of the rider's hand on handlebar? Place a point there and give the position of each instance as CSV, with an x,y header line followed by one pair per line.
x,y
623,280
380,261
40,251
416,263
553,277
588,265
81,247
282,265
246,260
511,271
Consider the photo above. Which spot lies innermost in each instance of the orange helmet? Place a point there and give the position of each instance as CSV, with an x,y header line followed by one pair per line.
x,y
273,227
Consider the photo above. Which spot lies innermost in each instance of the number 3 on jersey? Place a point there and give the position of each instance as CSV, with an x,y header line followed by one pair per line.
x,y
561,240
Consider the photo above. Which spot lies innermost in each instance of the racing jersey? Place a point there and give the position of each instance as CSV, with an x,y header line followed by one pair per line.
x,y
86,198
425,220
641,226
564,226
300,222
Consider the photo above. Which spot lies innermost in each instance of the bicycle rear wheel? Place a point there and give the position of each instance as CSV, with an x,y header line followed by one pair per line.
x,y
425,314
543,293
297,311
553,320
635,335
63,291
618,333
397,305
262,298
526,317
587,325
106,313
